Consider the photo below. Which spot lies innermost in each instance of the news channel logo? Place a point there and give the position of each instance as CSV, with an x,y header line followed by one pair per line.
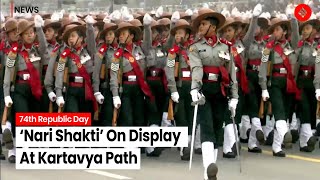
x,y
303,12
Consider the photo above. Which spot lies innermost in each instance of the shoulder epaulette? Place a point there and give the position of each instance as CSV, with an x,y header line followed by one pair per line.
x,y
118,53
300,43
226,42
102,50
266,37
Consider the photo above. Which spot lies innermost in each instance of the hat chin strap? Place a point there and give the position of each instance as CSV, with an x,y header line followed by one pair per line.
x,y
207,31
125,42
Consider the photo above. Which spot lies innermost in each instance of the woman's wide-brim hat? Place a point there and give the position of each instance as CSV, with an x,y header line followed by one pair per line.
x,y
71,28
205,13
127,25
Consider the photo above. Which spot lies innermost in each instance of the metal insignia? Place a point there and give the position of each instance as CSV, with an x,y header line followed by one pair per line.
x,y
114,67
264,58
171,63
10,62
60,67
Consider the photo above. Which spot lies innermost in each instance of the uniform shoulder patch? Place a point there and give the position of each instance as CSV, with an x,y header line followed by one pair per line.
x,y
10,62
171,63
114,67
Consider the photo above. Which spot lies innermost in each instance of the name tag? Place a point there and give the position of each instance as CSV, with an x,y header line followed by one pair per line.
x,y
288,51
186,74
26,77
240,49
213,77
84,59
34,59
314,53
160,53
139,56
132,78
224,55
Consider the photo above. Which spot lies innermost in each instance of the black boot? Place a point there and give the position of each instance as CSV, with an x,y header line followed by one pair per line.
x,y
212,171
155,153
310,145
12,159
295,135
279,154
287,140
255,150
260,136
185,154
269,140
7,139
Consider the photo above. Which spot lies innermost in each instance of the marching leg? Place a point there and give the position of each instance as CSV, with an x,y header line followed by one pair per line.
x,y
281,135
307,140
256,136
208,160
245,128
229,141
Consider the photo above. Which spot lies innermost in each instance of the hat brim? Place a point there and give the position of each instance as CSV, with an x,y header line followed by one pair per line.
x,y
174,30
314,22
31,25
104,32
53,24
137,31
69,31
235,23
199,18
284,22
99,23
9,30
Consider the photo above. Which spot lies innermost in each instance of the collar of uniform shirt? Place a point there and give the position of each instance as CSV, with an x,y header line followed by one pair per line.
x,y
114,45
258,38
26,46
212,40
53,43
308,41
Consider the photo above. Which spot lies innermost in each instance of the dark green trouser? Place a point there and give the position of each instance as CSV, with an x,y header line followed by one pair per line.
x,y
282,102
254,97
106,110
132,106
76,101
156,109
184,114
213,113
23,100
308,104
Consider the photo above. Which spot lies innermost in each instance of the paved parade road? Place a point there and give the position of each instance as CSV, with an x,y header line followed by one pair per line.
x,y
297,166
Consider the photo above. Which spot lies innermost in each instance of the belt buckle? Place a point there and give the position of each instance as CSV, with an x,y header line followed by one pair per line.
x,y
306,72
26,77
132,78
154,73
78,79
213,77
283,71
255,67
186,74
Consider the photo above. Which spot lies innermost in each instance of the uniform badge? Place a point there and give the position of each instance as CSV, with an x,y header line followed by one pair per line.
x,y
131,59
10,62
317,59
191,49
210,41
114,67
171,63
60,66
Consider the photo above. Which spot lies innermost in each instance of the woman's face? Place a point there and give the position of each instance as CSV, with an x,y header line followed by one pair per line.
x,y
109,38
29,36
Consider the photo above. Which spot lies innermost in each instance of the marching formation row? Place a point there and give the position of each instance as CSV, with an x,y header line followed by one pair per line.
x,y
141,70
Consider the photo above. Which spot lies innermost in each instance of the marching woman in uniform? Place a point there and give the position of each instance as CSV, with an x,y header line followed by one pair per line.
x,y
308,80
7,43
22,83
212,70
101,73
127,82
178,74
75,67
277,62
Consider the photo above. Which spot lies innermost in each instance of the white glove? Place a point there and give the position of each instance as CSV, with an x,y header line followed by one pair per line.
x,y
116,15
60,101
189,12
8,101
52,96
116,102
290,10
38,21
197,98
257,10
99,97
265,95
147,19
89,19
159,12
73,17
175,16
55,17
175,97
233,106
318,94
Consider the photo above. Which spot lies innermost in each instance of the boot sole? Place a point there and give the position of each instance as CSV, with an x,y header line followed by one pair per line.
x,y
312,143
7,139
260,137
287,140
212,171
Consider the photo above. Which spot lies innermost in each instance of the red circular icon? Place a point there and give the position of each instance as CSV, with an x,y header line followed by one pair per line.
x,y
302,12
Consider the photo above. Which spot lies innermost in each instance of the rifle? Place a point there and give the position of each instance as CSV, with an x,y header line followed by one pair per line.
x,y
50,107
261,110
115,110
318,110
170,110
5,114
